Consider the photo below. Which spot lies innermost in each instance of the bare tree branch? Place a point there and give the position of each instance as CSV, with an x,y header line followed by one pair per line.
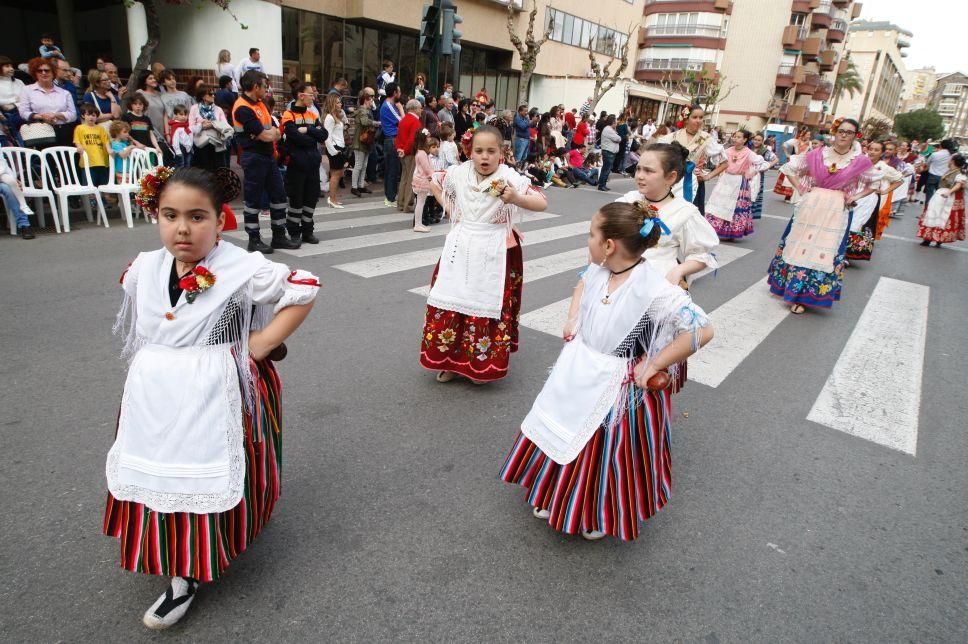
x,y
528,50
605,78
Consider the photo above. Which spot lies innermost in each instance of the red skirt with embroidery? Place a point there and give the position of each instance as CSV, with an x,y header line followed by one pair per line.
x,y
478,348
953,231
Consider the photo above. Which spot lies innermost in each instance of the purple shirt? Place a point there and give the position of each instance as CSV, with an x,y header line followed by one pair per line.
x,y
35,100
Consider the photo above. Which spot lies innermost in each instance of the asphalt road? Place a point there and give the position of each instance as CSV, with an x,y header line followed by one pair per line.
x,y
393,524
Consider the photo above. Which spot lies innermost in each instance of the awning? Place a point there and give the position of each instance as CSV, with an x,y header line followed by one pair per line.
x,y
656,94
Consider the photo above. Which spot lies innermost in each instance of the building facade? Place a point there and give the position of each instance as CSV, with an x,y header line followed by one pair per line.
x,y
918,86
948,98
878,51
732,43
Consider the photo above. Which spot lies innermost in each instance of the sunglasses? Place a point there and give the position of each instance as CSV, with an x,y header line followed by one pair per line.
x,y
45,71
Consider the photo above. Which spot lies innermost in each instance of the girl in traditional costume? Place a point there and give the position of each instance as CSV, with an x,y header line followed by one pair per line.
x,y
594,451
471,325
800,145
808,265
730,207
703,148
760,148
943,220
894,154
867,217
193,474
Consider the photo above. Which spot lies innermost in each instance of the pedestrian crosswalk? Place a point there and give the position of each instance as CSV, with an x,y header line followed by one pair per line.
x,y
872,393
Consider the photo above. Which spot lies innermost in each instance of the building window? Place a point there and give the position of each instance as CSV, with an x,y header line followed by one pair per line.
x,y
572,30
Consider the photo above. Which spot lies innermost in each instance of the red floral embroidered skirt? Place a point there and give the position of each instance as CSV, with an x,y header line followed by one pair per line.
x,y
201,546
478,348
953,231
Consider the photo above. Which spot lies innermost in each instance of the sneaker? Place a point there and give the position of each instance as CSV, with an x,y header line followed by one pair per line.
x,y
541,514
25,209
389,204
26,232
420,228
172,606
257,245
592,535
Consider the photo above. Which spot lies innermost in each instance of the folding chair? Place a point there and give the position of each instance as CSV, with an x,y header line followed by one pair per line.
x,y
132,169
29,166
69,180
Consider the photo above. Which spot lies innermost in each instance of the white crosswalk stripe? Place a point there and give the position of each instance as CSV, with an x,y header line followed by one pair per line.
x,y
551,318
536,269
874,390
416,259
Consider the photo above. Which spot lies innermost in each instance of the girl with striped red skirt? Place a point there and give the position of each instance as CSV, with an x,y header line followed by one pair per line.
x,y
471,324
594,451
193,474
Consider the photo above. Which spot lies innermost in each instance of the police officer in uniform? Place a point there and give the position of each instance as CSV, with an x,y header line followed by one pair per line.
x,y
256,135
303,133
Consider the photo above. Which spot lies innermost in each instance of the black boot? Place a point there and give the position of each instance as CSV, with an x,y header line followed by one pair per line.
x,y
257,245
307,236
281,240
26,232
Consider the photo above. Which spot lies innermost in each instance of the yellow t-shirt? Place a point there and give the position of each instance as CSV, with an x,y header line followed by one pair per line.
x,y
94,139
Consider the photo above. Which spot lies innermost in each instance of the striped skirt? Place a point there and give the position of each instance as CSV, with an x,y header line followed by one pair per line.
x,y
202,545
622,476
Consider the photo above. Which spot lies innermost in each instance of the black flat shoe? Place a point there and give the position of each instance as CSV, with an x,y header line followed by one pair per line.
x,y
284,242
366,191
355,192
26,232
309,238
926,243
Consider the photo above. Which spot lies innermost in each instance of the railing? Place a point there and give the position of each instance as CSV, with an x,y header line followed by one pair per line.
x,y
803,32
838,24
671,64
823,7
785,70
706,31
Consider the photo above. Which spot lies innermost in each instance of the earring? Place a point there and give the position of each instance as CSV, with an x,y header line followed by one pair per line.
x,y
603,262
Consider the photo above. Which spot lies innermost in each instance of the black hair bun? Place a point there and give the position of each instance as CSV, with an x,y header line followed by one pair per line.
x,y
227,184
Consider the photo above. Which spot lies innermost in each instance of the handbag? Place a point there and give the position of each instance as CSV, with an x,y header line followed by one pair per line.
x,y
368,136
37,134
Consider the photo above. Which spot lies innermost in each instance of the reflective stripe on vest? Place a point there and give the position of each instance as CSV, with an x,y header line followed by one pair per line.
x,y
260,109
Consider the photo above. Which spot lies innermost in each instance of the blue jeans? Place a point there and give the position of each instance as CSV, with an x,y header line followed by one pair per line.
x,y
930,186
582,174
183,160
608,158
521,149
10,201
391,168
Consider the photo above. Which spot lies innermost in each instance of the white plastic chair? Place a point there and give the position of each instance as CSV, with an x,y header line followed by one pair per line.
x,y
133,167
148,161
30,167
68,180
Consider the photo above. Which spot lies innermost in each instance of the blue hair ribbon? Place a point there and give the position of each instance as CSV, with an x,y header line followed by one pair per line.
x,y
687,182
650,224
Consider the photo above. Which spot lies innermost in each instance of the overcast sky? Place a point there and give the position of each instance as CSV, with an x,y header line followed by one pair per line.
x,y
940,29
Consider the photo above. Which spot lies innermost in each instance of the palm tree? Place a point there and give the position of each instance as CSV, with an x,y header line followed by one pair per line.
x,y
849,83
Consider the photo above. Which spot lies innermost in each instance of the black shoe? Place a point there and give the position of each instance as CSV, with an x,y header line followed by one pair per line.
x,y
926,242
310,238
284,242
355,192
26,232
366,191
603,189
257,245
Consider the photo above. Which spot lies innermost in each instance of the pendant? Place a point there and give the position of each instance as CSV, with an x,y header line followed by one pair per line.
x,y
605,300
169,316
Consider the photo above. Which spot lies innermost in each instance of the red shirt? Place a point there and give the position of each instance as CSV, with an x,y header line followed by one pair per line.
x,y
580,133
407,132
570,120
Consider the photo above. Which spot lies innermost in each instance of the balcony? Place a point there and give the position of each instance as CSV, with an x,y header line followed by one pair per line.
x,y
777,109
812,118
809,84
843,67
657,69
804,6
824,91
827,60
796,113
811,46
855,12
837,30
700,36
841,3
821,16
793,36
686,6
789,75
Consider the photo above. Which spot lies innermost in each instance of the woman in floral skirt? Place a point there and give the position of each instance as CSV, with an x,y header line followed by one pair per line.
x,y
471,324
808,266
943,220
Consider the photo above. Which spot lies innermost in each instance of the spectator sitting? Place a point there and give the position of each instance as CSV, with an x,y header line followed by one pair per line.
x,y
101,97
48,49
64,74
44,102
10,91
116,87
446,112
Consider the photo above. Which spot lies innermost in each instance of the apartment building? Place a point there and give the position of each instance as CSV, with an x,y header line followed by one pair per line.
x,y
780,56
949,99
918,85
878,51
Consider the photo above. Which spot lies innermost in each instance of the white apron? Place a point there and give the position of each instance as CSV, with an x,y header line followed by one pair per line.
x,y
587,380
722,202
471,276
179,446
938,211
862,212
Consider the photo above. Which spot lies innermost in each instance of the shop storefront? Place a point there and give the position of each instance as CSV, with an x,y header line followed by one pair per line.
x,y
322,48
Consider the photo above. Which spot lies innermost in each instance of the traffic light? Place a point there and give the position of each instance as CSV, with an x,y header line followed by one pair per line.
x,y
450,38
429,28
